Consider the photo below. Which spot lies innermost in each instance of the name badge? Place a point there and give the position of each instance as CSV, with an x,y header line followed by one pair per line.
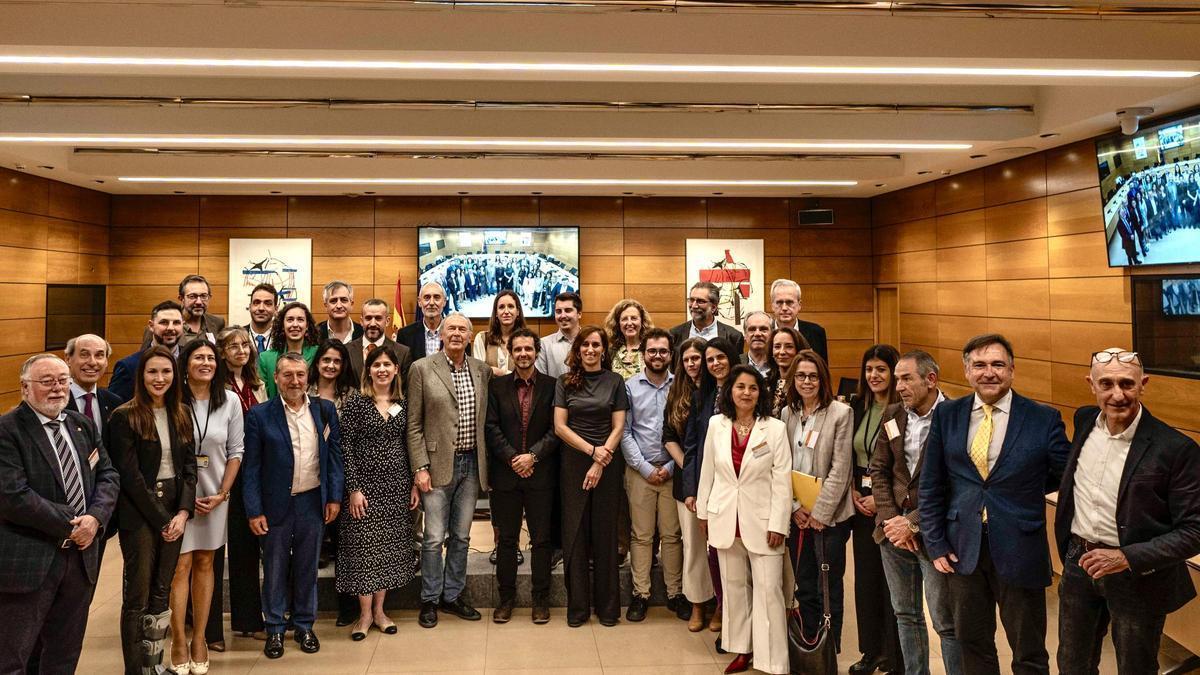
x,y
393,411
892,429
201,461
866,482
810,439
94,458
760,449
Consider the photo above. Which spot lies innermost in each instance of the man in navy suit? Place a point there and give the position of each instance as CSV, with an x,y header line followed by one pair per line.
x,y
989,461
87,357
166,329
1128,519
293,483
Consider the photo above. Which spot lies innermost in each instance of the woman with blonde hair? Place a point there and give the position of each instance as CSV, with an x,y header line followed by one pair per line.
x,y
625,326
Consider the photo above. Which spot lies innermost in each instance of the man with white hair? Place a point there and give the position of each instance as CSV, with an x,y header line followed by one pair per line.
x,y
424,337
338,298
87,358
785,301
758,337
1128,520
59,492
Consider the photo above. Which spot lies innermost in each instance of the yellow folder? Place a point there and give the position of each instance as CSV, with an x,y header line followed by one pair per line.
x,y
805,489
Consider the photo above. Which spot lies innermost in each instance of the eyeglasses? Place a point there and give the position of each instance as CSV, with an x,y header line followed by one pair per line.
x,y
48,382
197,296
1123,357
808,377
657,352
697,301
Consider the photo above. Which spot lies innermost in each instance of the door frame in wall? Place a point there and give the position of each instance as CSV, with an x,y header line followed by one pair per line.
x,y
887,329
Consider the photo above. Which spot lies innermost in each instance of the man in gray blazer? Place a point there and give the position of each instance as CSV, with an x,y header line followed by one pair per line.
x,y
447,409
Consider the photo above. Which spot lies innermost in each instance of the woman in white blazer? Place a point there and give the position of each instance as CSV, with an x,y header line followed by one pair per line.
x,y
744,501
820,436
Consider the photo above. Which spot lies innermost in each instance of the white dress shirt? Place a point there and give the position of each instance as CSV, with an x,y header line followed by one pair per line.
x,y
62,420
77,393
916,432
1098,479
1000,415
306,466
707,333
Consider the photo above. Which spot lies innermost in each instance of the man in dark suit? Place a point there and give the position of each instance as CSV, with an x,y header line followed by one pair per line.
x,y
703,300
523,471
194,295
989,461
424,337
375,319
59,490
895,473
166,329
785,301
338,298
264,304
1128,519
87,358
292,478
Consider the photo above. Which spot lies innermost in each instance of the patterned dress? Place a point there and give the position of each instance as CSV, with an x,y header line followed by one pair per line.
x,y
375,553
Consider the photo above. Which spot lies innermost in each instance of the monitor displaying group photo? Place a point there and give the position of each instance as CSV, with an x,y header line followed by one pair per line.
x,y
1150,187
1181,297
473,264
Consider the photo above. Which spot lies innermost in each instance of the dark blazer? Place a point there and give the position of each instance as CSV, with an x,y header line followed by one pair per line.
x,y
121,382
268,461
34,516
953,495
355,347
693,445
680,333
413,337
137,459
108,402
894,489
815,335
504,433
1158,511
209,323
355,333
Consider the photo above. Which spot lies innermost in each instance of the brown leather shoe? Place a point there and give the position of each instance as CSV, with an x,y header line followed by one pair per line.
x,y
503,613
541,613
696,623
714,624
739,664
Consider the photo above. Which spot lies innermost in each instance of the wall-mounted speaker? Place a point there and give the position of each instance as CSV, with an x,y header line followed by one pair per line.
x,y
814,217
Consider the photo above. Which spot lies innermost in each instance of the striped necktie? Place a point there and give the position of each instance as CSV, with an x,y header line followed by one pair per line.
x,y
70,474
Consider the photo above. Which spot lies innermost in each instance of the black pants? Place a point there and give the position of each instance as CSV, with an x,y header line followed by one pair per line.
x,y
808,577
1087,606
1022,611
596,540
54,615
878,632
507,508
245,594
146,588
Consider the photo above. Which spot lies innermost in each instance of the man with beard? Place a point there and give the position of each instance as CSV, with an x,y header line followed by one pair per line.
x,y
552,357
758,334
194,296
166,329
424,337
649,472
264,302
376,317
703,300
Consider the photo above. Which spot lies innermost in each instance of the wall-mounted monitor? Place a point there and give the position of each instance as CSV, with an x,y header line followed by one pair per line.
x,y
473,264
1150,187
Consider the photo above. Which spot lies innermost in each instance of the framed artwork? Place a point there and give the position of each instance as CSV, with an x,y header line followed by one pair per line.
x,y
286,264
736,267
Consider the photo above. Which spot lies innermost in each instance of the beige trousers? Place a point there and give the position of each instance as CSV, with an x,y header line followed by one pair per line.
x,y
652,507
697,581
753,618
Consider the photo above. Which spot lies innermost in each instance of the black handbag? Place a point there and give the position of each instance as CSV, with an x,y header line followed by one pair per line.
x,y
817,656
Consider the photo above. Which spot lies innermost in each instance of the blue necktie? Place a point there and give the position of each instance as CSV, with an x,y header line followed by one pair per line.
x,y
262,343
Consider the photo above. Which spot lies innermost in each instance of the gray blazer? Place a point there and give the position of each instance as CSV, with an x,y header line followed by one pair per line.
x,y
433,416
833,459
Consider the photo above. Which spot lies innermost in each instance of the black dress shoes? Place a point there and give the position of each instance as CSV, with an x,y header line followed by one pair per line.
x,y
274,646
577,621
541,612
428,617
309,644
869,664
637,609
681,606
458,607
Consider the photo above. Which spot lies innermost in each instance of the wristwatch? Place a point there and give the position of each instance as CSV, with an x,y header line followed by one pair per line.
x,y
535,457
912,527
224,495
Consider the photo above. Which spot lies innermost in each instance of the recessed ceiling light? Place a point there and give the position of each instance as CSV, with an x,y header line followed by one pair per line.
x,y
535,193
464,193
180,192
579,182
924,173
539,143
99,181
978,156
1049,135
368,192
19,167
627,194
881,185
46,167
276,192
231,63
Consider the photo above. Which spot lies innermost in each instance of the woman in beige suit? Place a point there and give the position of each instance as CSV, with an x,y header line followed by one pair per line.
x,y
820,433
743,502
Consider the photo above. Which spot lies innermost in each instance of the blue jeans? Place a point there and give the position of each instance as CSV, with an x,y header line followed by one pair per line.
x,y
448,513
907,573
291,548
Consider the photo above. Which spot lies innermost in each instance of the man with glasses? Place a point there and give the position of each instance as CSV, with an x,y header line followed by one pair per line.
x,y
702,302
194,295
1128,519
989,461
785,302
649,472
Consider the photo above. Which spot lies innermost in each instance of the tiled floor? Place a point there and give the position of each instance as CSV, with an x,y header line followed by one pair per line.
x,y
483,647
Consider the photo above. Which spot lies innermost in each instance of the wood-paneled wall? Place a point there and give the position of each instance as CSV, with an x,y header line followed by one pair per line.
x,y
50,232
628,248
1016,248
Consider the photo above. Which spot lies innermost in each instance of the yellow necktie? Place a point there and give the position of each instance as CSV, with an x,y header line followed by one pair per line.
x,y
980,445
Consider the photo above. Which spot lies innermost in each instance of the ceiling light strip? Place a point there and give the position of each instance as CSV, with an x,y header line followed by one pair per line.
x,y
552,67
561,182
464,155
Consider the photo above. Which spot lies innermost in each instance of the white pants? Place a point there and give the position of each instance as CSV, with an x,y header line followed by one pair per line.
x,y
697,580
753,618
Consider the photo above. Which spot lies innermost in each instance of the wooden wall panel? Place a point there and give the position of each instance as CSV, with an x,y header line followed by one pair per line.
x,y
663,212
1071,167
758,214
581,211
963,263
961,229
1019,220
24,192
155,211
338,212
1014,180
229,211
1025,259
961,193
417,211
500,212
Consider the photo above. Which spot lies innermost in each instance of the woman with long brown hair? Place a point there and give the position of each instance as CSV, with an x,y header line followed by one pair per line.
x,y
626,326
590,402
784,344
490,345
150,442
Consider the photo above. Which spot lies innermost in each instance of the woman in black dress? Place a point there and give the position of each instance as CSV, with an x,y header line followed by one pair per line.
x,y
589,416
375,542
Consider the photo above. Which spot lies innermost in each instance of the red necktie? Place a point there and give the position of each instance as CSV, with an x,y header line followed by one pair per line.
x,y
87,406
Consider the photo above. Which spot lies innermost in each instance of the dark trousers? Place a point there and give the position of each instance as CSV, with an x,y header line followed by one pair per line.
x,y
1022,610
878,632
245,594
808,577
1087,606
146,587
54,615
507,508
291,549
595,541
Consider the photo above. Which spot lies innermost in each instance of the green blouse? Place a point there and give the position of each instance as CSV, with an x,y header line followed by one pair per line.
x,y
865,435
268,359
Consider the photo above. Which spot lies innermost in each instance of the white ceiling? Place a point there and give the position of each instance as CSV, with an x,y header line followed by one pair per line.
x,y
777,41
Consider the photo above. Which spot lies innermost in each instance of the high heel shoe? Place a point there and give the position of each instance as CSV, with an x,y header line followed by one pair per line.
x,y
182,669
199,668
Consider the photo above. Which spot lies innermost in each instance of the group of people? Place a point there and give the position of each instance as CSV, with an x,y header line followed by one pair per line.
x,y
253,443
469,279
1158,201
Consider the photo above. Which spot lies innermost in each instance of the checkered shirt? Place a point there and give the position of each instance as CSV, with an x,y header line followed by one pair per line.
x,y
464,392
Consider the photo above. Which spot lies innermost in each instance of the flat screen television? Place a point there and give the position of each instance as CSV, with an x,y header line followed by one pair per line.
x,y
473,264
1150,187
1181,297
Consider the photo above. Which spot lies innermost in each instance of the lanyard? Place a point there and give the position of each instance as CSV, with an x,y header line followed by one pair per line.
x,y
196,427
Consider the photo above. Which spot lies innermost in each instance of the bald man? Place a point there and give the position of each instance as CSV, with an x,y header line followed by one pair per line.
x,y
1128,519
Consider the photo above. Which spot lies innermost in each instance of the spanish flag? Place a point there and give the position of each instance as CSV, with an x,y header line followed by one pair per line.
x,y
398,321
